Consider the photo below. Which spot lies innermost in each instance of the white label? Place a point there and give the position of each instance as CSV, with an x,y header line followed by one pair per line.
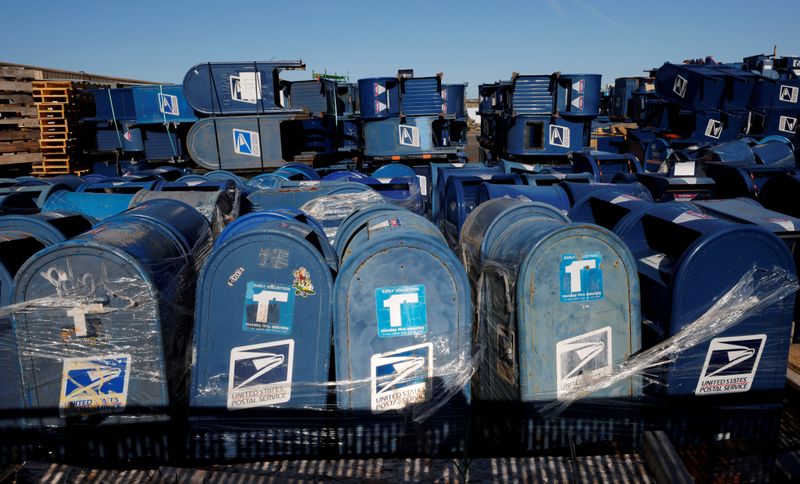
x,y
731,364
409,135
246,87
624,198
714,128
78,315
559,136
578,102
684,168
423,185
260,375
168,104
246,142
401,377
94,385
384,180
308,183
787,124
653,261
263,299
788,94
582,357
690,216
787,224
680,85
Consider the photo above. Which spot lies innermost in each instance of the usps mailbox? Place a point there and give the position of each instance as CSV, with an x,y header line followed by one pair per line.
x,y
263,319
461,197
688,259
402,319
491,218
561,303
116,336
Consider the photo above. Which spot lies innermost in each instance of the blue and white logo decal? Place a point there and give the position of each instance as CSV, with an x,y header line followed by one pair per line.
x,y
246,142
401,310
94,385
581,277
580,357
559,136
714,128
168,104
788,94
409,135
268,308
680,85
401,377
731,364
246,87
260,375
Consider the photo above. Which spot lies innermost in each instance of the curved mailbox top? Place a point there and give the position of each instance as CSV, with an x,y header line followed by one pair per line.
x,y
38,193
297,197
23,246
354,222
394,170
273,349
224,175
266,181
49,227
381,223
254,220
236,87
491,218
125,187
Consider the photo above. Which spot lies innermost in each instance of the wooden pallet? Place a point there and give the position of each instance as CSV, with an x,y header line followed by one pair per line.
x,y
56,110
19,124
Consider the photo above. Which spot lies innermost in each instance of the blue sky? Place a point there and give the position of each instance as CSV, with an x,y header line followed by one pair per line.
x,y
469,41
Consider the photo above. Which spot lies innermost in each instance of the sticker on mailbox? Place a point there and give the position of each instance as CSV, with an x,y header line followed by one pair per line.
x,y
94,385
581,277
401,310
260,375
401,377
731,364
580,357
268,308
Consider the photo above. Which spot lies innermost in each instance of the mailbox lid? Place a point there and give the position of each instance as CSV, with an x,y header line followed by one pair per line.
x,y
434,332
291,335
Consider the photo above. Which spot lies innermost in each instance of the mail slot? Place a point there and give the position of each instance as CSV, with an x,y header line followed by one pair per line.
x,y
49,227
402,318
111,336
782,194
682,189
116,186
604,166
17,203
263,319
38,193
560,304
687,260
489,219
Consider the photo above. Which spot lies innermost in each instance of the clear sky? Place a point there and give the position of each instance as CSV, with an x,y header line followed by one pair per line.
x,y
470,41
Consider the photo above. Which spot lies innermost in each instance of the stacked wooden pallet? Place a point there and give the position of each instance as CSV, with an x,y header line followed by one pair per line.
x,y
19,125
57,109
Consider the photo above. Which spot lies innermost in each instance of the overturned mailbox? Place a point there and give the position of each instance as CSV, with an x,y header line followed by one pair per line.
x,y
104,325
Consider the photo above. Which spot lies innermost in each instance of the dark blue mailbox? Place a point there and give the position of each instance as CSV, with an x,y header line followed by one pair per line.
x,y
113,332
96,205
440,172
263,319
461,197
402,318
604,166
560,304
686,261
782,194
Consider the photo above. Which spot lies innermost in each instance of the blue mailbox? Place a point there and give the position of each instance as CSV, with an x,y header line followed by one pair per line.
x,y
782,194
273,350
461,197
114,336
491,218
161,104
688,259
604,166
402,318
297,197
561,303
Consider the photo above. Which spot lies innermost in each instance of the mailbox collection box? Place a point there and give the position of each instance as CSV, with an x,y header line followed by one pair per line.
x,y
355,314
